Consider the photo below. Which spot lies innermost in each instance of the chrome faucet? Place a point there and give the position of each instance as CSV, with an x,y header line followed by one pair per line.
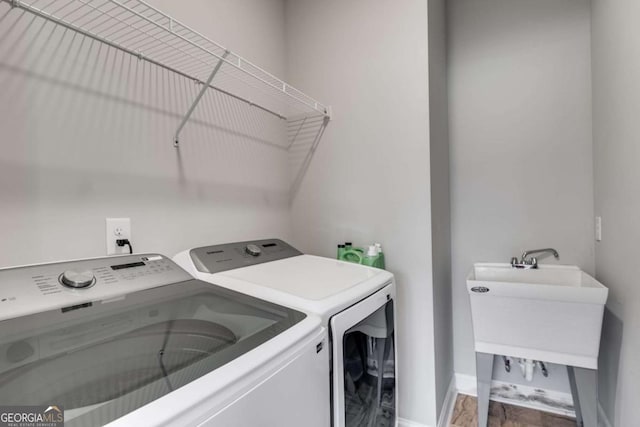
x,y
528,262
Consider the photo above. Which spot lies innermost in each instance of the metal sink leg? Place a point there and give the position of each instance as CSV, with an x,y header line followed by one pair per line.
x,y
584,389
484,372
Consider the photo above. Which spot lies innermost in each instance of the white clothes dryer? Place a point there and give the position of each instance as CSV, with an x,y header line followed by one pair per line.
x,y
356,304
136,341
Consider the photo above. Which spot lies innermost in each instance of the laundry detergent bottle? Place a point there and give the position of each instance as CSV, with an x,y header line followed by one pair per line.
x,y
352,254
349,247
371,257
380,263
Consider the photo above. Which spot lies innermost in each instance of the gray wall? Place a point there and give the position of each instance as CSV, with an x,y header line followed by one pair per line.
x,y
369,180
440,203
87,134
616,133
520,133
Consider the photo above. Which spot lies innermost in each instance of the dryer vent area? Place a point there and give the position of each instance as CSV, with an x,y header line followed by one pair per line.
x,y
370,371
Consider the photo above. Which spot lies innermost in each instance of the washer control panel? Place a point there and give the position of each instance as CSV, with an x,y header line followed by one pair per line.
x,y
217,258
30,289
253,250
77,279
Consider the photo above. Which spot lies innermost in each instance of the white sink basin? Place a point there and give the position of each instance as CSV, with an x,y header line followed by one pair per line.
x,y
553,313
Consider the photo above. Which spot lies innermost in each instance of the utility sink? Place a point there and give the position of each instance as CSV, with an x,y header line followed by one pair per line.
x,y
552,313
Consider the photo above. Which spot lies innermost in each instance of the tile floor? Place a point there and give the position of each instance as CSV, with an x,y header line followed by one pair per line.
x,y
502,415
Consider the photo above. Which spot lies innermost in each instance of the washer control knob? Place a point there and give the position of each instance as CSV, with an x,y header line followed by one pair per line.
x,y
77,279
253,250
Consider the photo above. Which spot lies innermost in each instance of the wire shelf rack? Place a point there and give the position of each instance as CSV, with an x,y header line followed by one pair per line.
x,y
135,27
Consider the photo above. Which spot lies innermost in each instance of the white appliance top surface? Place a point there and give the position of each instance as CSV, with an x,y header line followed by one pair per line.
x,y
309,283
307,276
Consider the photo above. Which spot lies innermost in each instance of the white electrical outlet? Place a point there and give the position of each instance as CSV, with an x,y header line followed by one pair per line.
x,y
117,228
598,229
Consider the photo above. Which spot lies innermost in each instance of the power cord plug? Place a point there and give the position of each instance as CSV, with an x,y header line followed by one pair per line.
x,y
125,242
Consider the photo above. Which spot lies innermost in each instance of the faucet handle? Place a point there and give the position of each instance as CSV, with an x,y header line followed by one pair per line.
x,y
514,261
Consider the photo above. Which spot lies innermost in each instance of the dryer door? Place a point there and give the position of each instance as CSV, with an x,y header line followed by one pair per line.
x,y
364,363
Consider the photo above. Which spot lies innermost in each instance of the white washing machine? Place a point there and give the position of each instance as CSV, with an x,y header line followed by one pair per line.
x,y
356,304
136,341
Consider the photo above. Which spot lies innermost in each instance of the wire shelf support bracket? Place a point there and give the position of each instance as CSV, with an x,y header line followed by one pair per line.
x,y
187,116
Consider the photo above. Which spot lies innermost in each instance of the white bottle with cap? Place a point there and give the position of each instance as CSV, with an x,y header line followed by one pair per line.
x,y
371,257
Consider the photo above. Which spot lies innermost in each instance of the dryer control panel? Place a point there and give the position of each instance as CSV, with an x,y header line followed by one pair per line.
x,y
217,258
36,288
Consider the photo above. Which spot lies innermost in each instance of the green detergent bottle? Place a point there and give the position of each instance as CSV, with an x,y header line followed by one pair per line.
x,y
371,257
349,247
341,251
351,254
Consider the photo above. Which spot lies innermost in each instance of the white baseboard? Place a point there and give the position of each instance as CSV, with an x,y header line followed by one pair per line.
x,y
466,384
520,395
408,423
446,412
449,404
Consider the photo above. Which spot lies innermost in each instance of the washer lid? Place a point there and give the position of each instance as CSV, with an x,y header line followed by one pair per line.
x,y
103,359
307,276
